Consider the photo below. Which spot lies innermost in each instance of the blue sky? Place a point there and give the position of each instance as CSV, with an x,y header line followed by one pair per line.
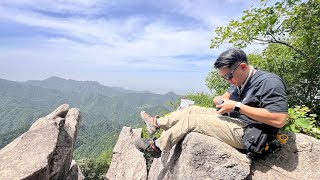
x,y
159,46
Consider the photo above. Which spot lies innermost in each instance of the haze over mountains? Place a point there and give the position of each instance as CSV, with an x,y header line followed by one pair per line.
x,y
105,110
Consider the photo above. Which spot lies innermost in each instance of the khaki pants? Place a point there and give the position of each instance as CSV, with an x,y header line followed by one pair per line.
x,y
198,119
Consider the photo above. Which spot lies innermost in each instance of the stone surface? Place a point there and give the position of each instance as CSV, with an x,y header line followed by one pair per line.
x,y
298,159
127,162
75,172
45,150
201,157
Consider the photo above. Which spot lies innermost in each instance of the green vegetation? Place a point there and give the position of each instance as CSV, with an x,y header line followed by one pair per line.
x,y
104,111
201,99
301,120
216,84
290,31
95,169
11,135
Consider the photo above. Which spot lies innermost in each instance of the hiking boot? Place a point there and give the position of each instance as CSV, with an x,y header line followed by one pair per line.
x,y
147,146
150,121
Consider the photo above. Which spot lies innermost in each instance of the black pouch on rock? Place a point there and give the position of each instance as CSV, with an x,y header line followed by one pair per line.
x,y
254,139
258,143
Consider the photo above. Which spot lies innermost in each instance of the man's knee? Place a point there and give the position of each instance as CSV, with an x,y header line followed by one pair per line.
x,y
191,121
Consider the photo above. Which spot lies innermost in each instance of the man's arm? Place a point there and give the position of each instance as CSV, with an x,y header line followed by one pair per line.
x,y
259,114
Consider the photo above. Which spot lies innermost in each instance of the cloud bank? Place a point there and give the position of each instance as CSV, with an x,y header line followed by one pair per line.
x,y
156,46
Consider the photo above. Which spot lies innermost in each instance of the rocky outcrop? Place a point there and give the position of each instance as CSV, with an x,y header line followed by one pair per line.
x,y
201,157
127,162
45,150
198,156
298,159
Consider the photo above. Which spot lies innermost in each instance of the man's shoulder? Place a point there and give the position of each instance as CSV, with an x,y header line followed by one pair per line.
x,y
264,76
268,80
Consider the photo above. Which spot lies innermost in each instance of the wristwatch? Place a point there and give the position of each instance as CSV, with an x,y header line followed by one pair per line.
x,y
237,107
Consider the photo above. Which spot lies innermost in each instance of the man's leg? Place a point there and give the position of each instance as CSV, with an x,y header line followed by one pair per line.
x,y
223,128
173,118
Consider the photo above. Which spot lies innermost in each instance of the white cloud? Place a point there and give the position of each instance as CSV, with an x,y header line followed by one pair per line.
x,y
213,13
70,6
132,43
105,39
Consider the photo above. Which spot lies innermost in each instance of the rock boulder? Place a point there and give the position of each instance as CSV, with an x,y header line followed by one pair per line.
x,y
198,156
45,150
201,157
127,162
298,159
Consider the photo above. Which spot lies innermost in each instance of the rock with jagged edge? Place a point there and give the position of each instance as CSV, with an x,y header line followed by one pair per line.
x,y
45,150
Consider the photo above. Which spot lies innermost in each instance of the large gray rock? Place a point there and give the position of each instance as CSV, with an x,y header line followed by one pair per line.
x,y
201,157
45,150
127,162
298,159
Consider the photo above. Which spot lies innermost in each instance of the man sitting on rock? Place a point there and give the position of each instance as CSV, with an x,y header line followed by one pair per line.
x,y
255,96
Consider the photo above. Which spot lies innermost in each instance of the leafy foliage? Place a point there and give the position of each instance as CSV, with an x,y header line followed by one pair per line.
x,y
95,169
216,84
281,60
301,120
291,31
201,99
97,146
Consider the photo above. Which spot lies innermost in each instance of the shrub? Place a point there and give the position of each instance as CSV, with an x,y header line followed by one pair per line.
x,y
301,119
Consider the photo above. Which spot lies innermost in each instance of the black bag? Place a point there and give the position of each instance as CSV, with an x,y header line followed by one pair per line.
x,y
260,140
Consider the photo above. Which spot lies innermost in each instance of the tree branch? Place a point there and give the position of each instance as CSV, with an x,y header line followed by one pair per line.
x,y
276,41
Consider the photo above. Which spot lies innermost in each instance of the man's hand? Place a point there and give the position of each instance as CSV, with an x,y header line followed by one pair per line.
x,y
226,107
218,99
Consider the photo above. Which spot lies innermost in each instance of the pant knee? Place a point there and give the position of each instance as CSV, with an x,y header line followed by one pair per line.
x,y
190,122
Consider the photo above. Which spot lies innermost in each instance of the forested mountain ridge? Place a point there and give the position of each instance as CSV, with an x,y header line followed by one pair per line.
x,y
69,85
104,110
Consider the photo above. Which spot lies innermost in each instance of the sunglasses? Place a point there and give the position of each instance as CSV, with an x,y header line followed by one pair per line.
x,y
230,75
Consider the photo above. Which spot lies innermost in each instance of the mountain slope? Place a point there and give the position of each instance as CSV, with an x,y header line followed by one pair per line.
x,y
103,114
78,86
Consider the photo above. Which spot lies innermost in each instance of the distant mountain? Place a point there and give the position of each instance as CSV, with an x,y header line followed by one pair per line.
x,y
78,86
105,110
20,104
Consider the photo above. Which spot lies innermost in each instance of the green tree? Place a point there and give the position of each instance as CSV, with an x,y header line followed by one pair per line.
x,y
201,99
291,31
96,169
216,84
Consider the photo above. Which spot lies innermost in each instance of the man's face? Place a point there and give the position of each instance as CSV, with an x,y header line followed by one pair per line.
x,y
233,75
